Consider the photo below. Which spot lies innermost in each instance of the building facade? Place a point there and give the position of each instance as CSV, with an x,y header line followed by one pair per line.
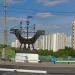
x,y
73,35
54,41
69,41
15,44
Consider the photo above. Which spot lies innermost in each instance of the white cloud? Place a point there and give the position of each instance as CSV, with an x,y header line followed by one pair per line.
x,y
44,15
51,2
47,27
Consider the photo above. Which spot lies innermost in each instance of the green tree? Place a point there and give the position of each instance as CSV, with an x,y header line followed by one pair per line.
x,y
65,52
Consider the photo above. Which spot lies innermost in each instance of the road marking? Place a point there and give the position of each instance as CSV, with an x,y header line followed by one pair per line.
x,y
23,70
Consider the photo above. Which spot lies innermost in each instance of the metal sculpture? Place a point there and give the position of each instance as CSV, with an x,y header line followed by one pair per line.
x,y
29,41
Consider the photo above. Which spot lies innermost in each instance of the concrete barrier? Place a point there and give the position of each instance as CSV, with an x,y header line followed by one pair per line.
x,y
25,57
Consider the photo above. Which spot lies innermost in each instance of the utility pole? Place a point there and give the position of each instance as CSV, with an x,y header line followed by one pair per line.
x,y
5,23
5,32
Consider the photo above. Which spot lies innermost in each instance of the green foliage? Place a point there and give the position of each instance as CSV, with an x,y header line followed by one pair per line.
x,y
0,52
60,53
44,52
3,45
9,52
65,52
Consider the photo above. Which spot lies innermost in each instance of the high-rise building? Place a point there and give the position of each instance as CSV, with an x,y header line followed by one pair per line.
x,y
15,44
59,41
73,35
69,41
53,41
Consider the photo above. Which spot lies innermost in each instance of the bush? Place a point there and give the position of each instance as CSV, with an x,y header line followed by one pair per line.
x,y
65,52
44,52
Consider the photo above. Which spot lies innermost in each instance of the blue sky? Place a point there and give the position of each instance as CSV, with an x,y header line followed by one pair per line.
x,y
50,15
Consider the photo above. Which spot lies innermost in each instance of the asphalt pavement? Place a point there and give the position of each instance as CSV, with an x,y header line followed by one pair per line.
x,y
51,69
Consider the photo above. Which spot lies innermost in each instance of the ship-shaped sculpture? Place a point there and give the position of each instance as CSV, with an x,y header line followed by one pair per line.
x,y
29,41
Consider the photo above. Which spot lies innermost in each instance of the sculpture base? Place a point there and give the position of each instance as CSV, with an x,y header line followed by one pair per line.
x,y
27,58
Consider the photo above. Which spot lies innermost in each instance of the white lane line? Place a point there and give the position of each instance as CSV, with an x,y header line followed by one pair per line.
x,y
22,70
5,69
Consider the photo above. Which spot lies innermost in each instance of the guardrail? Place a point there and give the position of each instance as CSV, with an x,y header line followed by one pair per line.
x,y
65,61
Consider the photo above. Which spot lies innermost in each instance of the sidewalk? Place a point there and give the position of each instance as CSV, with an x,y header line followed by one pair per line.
x,y
41,64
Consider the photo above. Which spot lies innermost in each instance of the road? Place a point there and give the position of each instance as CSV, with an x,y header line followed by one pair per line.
x,y
50,71
45,69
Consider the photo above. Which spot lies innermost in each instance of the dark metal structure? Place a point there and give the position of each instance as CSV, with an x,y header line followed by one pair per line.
x,y
26,40
29,41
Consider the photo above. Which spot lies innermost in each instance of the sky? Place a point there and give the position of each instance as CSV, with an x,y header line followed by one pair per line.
x,y
49,15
